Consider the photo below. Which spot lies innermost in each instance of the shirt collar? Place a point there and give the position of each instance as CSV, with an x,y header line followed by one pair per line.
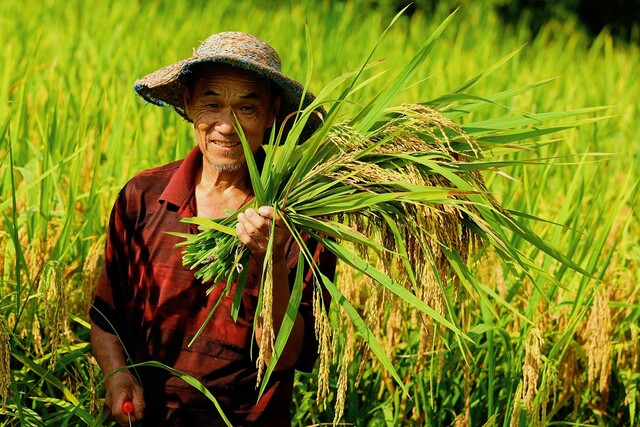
x,y
181,188
182,184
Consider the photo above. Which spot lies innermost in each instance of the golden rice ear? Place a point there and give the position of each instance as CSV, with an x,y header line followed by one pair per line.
x,y
93,371
517,407
324,336
56,295
597,332
531,367
267,340
343,376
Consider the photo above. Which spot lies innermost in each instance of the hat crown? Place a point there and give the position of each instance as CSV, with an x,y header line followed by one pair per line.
x,y
242,46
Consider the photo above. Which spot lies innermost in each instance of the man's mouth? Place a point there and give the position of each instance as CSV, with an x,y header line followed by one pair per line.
x,y
225,144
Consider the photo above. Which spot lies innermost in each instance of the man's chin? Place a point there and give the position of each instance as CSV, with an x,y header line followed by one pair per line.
x,y
227,167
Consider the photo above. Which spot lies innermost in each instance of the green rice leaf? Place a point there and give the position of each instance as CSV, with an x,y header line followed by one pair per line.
x,y
287,324
361,265
371,113
466,85
362,329
335,230
189,380
209,224
254,174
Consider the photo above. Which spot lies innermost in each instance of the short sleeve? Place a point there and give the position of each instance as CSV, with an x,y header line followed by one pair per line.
x,y
108,304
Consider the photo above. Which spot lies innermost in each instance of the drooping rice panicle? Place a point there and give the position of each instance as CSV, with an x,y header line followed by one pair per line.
x,y
368,184
396,193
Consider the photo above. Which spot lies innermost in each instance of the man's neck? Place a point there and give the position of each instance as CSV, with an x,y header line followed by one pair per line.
x,y
220,191
214,180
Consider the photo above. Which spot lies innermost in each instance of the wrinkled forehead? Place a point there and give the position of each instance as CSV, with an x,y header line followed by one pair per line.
x,y
216,74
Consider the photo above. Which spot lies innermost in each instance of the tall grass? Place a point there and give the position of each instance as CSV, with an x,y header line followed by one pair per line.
x,y
546,352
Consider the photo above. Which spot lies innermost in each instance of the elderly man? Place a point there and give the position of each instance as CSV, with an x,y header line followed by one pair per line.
x,y
148,306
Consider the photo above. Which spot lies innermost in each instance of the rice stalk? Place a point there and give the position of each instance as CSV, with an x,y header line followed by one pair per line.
x,y
396,193
267,340
80,302
350,169
55,296
531,367
401,197
343,369
597,333
325,337
517,407
5,357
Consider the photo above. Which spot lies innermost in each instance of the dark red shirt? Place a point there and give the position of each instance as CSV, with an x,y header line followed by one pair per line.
x,y
156,305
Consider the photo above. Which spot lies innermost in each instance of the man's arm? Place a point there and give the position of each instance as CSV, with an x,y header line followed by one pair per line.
x,y
121,385
105,318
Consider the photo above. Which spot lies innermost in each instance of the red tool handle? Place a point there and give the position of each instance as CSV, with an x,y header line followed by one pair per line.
x,y
127,407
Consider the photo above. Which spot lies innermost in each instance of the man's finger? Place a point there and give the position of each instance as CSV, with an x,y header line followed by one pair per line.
x,y
270,213
254,223
258,221
248,234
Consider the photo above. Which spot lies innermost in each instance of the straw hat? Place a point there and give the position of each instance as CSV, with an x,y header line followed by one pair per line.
x,y
166,86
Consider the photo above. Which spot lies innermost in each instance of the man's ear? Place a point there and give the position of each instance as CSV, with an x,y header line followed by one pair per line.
x,y
186,99
275,107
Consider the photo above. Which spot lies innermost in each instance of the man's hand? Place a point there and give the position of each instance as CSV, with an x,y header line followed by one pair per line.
x,y
254,228
123,386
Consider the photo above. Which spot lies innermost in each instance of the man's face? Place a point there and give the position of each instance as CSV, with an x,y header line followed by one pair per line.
x,y
219,92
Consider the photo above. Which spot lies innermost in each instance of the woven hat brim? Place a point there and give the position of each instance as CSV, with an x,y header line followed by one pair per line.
x,y
166,87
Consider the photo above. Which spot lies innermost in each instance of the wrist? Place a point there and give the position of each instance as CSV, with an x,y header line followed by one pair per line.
x,y
118,375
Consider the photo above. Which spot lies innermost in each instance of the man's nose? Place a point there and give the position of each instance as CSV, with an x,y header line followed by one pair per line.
x,y
226,121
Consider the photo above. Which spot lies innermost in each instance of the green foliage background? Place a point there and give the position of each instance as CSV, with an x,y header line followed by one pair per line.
x,y
72,132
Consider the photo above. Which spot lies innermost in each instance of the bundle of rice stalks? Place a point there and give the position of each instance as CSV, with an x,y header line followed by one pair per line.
x,y
402,185
387,192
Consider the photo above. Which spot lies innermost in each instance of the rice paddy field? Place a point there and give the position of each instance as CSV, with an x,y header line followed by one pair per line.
x,y
548,346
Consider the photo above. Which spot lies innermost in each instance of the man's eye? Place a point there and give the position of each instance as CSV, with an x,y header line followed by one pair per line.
x,y
247,108
213,106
